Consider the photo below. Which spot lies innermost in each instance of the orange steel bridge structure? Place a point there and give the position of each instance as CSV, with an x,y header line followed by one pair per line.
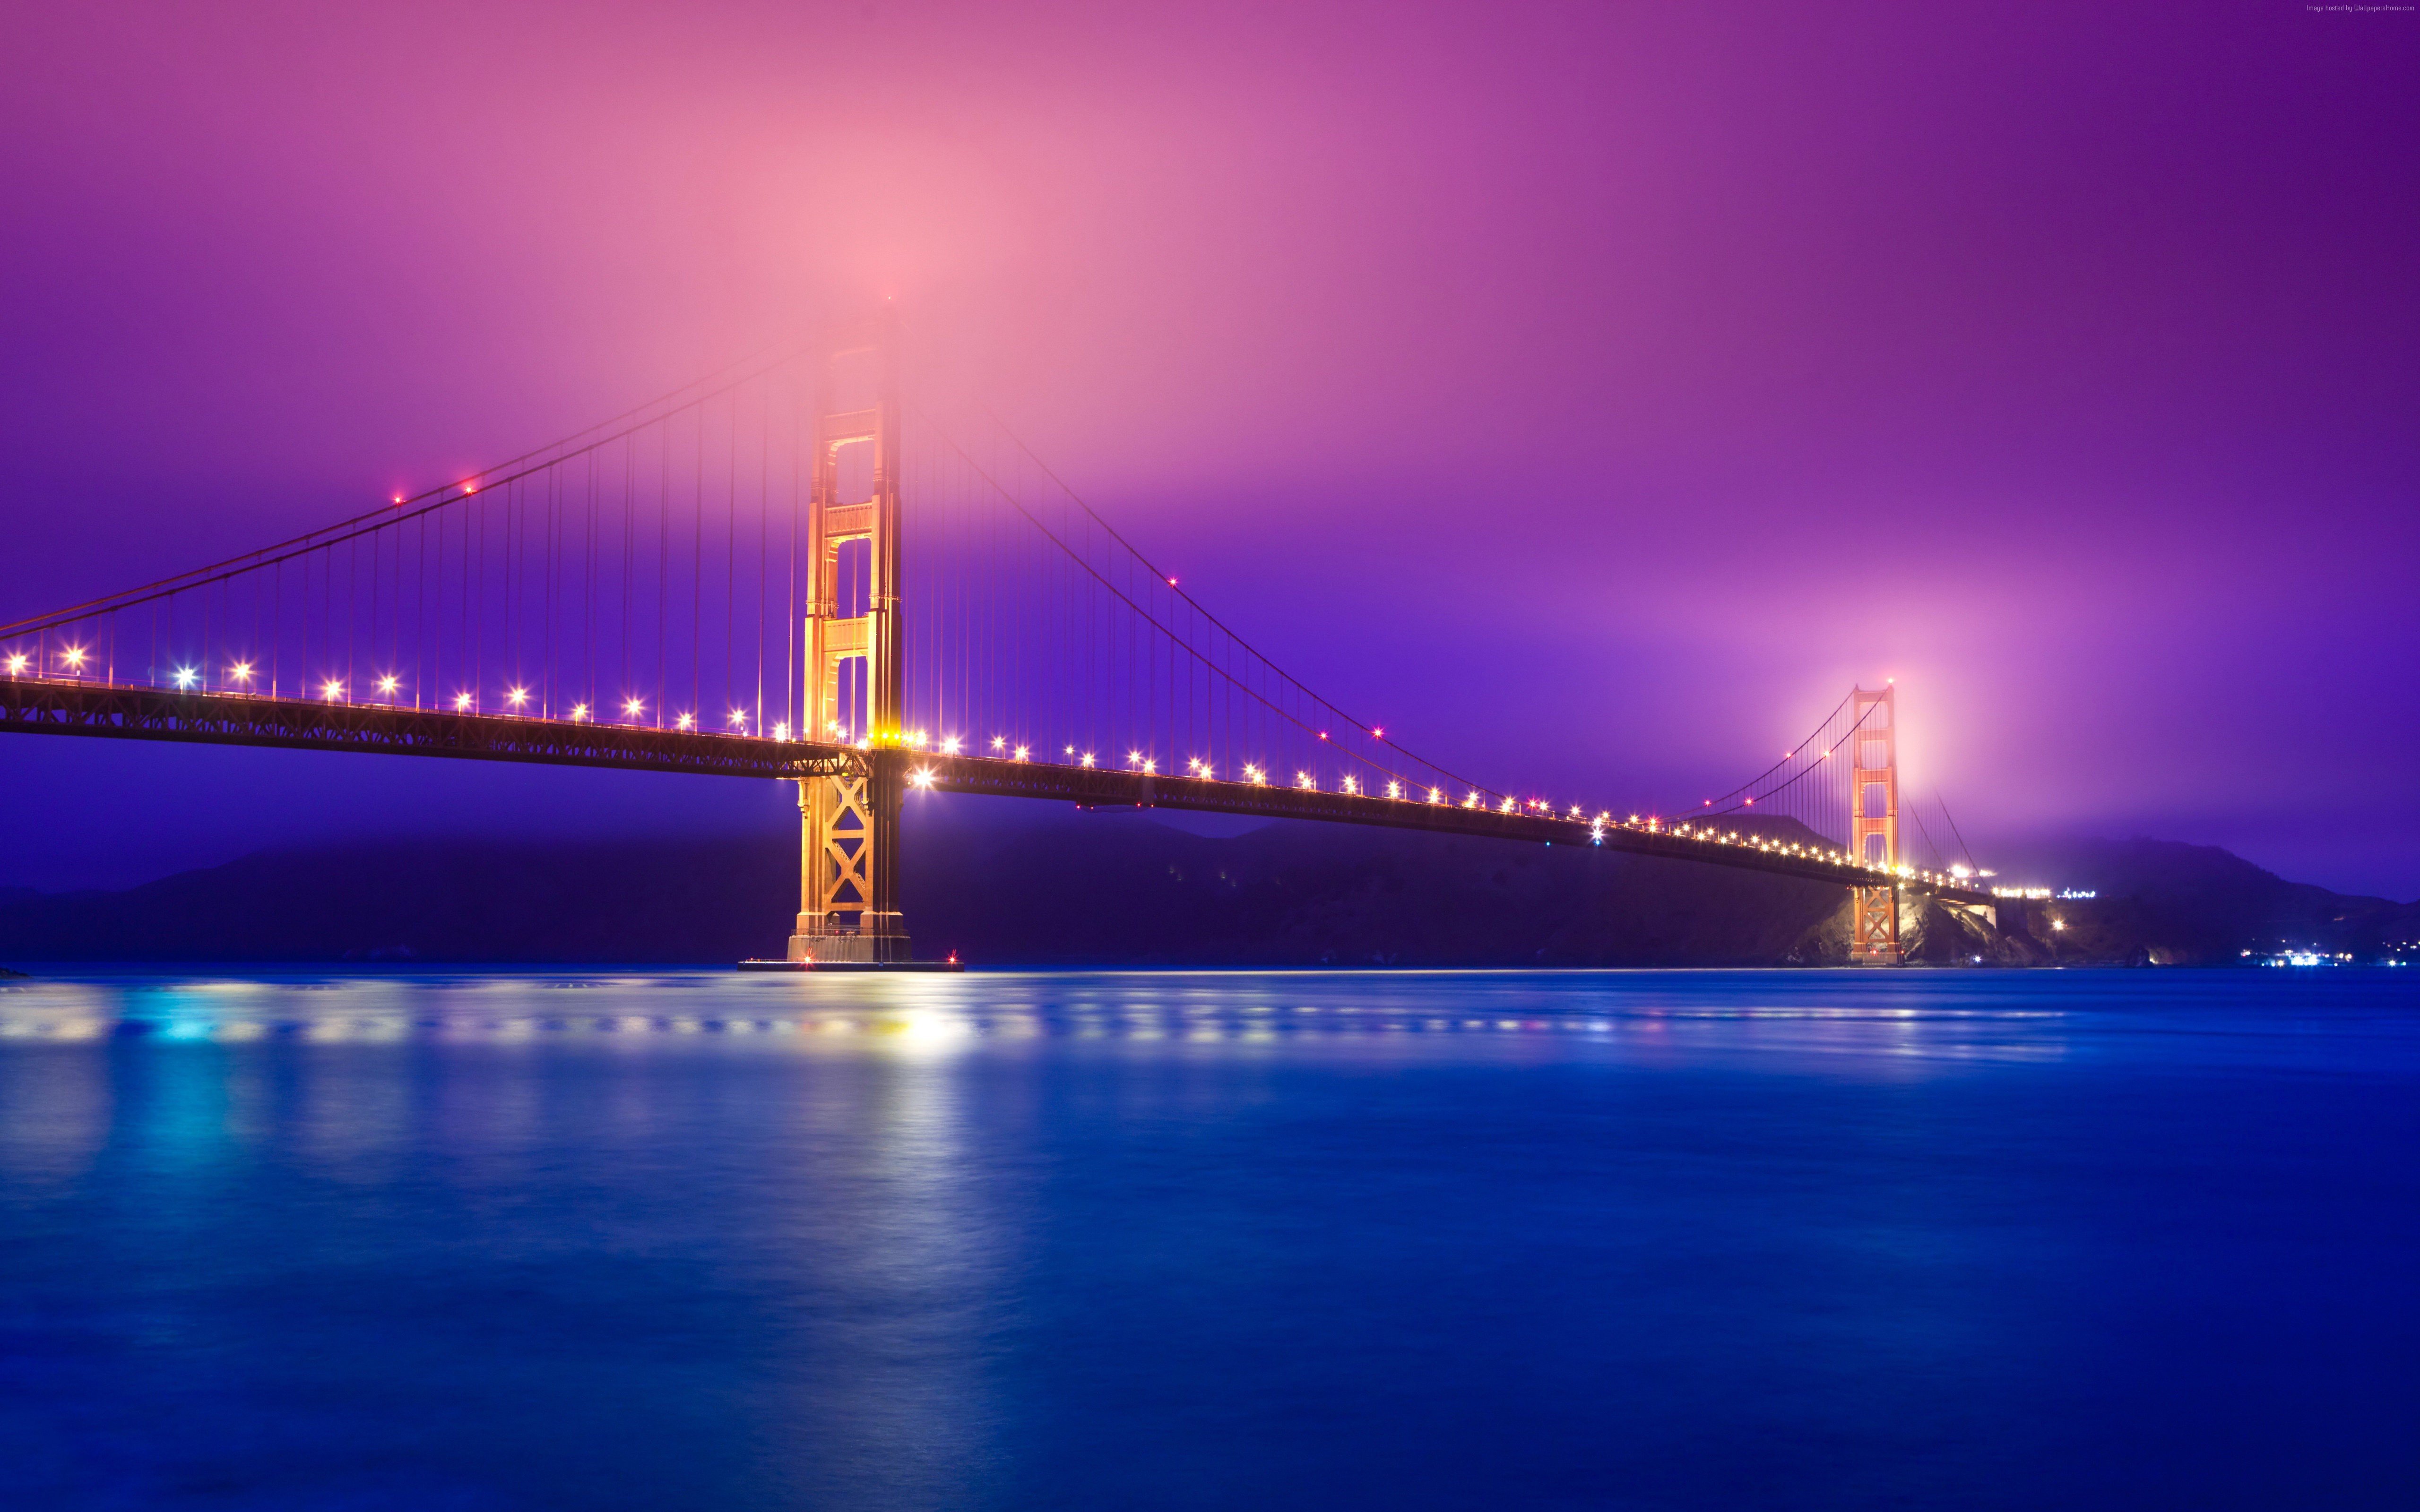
x,y
759,577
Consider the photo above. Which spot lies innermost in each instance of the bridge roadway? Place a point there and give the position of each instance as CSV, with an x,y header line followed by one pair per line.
x,y
58,706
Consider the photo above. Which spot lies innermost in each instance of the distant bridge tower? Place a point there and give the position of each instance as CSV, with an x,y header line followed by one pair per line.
x,y
1873,823
848,907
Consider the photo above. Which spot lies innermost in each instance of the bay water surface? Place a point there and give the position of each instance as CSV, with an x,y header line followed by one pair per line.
x,y
688,1238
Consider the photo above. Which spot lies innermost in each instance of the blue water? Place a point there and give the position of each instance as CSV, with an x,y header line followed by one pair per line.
x,y
1640,1239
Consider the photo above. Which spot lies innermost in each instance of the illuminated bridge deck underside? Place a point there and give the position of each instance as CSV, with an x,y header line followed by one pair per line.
x,y
54,707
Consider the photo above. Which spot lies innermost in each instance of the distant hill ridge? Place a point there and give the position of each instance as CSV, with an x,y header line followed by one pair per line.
x,y
1118,889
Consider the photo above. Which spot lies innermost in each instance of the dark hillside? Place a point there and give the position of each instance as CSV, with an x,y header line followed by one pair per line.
x,y
1054,888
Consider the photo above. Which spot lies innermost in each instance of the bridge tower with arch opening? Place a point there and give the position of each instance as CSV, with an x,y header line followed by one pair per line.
x,y
849,905
1873,824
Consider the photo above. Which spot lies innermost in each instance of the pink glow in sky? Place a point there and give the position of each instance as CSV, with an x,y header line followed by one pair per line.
x,y
1591,392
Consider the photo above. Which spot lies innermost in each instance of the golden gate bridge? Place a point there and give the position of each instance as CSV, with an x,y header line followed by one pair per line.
x,y
795,570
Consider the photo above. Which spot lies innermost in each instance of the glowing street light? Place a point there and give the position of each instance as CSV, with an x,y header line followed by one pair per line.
x,y
633,706
331,688
950,745
1085,760
999,742
74,655
739,719
185,676
579,711
16,662
240,672
921,777
685,721
780,730
389,683
1020,754
462,702
516,696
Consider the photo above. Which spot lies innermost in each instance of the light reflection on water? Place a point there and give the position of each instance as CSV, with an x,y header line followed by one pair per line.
x,y
919,1014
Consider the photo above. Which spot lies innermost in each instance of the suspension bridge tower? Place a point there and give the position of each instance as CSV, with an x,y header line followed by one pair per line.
x,y
1873,824
849,907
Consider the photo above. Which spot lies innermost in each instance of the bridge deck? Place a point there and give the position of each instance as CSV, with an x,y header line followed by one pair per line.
x,y
51,706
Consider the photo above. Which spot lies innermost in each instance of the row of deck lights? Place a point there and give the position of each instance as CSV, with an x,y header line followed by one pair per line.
x,y
333,690
1256,776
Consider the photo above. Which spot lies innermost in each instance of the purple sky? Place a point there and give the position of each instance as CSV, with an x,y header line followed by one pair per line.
x,y
1591,394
